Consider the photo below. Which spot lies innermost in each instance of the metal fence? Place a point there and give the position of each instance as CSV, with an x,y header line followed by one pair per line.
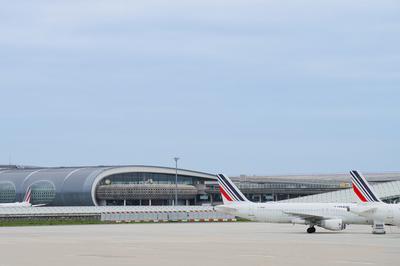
x,y
119,213
166,216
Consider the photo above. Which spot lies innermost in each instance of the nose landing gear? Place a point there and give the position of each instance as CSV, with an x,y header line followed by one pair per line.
x,y
311,229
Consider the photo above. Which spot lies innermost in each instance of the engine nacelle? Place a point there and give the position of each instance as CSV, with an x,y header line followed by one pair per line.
x,y
333,224
299,221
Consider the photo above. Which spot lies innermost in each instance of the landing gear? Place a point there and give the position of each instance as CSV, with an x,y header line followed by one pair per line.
x,y
378,228
311,229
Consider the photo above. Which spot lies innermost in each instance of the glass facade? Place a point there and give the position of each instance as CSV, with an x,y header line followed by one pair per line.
x,y
43,192
153,192
147,178
8,192
286,185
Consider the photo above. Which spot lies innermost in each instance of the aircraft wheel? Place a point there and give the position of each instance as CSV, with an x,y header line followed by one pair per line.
x,y
311,230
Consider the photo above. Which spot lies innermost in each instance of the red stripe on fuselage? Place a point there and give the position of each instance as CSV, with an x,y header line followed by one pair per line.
x,y
358,193
224,194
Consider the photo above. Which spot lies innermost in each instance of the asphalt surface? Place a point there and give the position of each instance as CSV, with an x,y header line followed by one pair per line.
x,y
196,244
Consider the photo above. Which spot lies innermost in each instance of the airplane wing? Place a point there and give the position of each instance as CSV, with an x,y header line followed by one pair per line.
x,y
308,216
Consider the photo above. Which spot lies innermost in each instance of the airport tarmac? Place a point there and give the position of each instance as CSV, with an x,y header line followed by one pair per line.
x,y
196,244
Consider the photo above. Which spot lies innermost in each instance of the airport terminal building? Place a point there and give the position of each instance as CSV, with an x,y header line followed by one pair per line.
x,y
102,185
154,185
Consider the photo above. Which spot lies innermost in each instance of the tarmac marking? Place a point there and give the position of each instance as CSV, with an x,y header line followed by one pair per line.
x,y
257,255
104,256
355,262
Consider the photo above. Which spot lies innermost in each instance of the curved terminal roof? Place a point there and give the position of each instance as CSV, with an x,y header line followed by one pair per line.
x,y
77,185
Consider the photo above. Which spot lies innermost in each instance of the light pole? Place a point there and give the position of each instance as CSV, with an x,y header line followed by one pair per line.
x,y
176,180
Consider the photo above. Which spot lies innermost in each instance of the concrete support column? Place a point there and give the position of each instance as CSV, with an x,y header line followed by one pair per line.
x,y
149,202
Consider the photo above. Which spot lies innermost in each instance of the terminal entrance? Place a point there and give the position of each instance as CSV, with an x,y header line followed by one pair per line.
x,y
148,189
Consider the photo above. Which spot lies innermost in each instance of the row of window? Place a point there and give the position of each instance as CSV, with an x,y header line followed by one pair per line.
x,y
147,178
285,185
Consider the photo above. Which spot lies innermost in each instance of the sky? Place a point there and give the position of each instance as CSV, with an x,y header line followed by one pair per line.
x,y
240,87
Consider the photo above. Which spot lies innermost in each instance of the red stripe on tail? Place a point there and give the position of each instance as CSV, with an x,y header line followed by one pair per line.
x,y
226,196
358,193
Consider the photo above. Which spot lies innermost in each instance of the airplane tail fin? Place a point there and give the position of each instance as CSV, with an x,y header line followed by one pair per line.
x,y
229,192
362,188
28,195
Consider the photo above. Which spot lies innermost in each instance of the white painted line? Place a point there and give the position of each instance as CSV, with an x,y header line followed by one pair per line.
x,y
355,262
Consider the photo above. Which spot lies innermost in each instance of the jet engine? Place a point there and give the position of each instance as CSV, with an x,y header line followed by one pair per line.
x,y
333,224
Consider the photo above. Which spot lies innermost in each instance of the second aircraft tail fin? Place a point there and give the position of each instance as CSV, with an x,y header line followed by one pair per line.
x,y
28,195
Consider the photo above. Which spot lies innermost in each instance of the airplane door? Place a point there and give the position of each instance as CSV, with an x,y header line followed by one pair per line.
x,y
249,212
261,214
390,217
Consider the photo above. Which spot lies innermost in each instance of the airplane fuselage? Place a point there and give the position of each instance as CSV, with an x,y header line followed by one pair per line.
x,y
286,212
382,212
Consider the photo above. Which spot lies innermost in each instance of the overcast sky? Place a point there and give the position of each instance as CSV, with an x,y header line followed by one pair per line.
x,y
241,87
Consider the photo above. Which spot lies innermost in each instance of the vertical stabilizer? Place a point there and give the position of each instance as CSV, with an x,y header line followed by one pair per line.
x,y
362,188
229,191
28,195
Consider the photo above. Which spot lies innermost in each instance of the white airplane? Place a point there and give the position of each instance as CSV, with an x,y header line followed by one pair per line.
x,y
25,203
331,216
373,208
